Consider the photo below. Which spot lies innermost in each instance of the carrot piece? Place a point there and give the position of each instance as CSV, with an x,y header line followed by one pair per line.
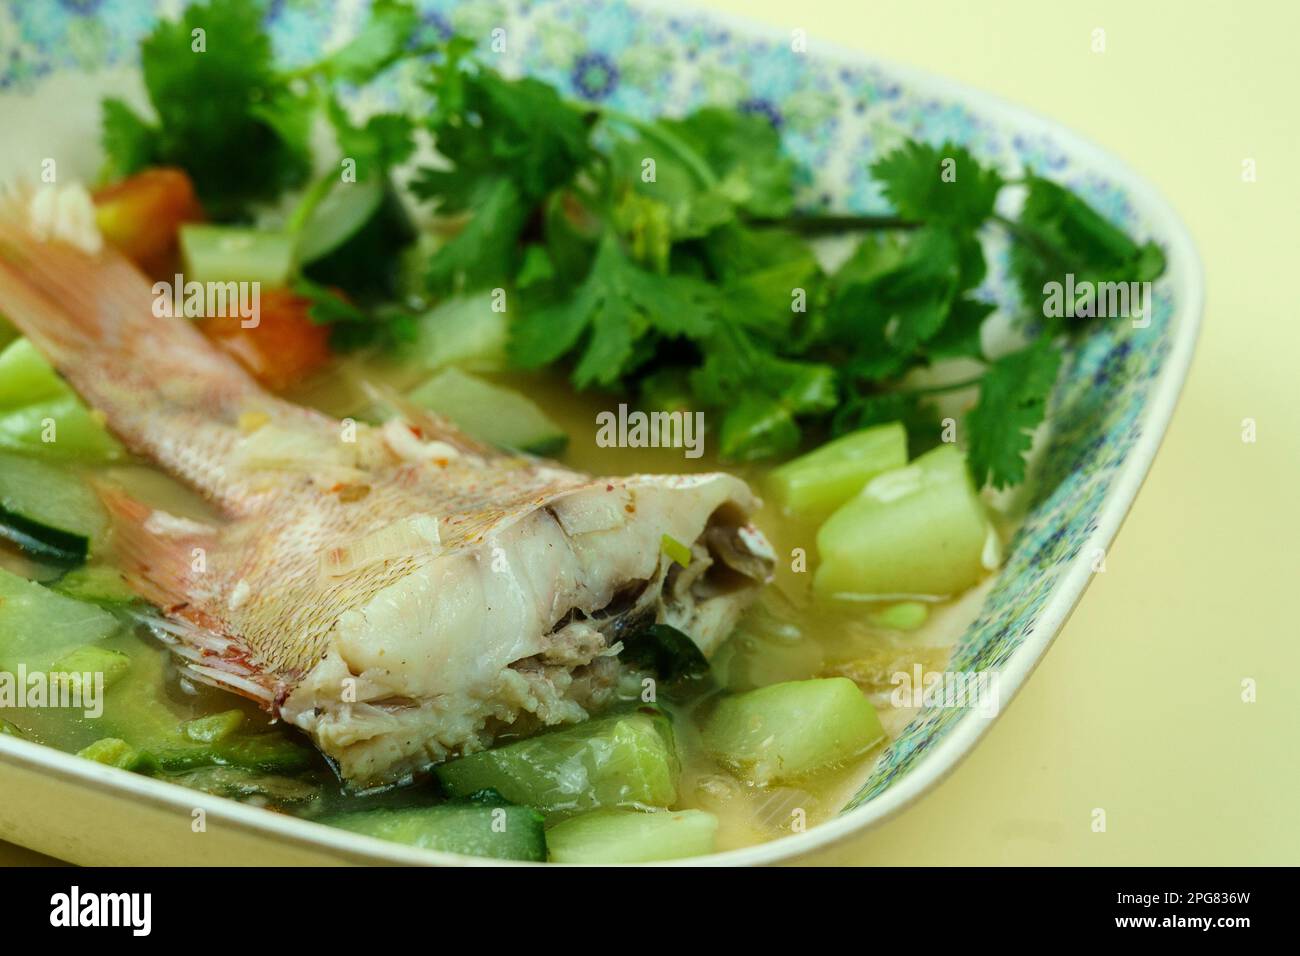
x,y
283,349
142,216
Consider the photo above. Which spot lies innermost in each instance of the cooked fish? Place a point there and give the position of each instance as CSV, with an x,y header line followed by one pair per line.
x,y
400,592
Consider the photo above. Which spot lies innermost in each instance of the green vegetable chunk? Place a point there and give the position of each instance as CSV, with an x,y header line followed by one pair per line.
x,y
632,836
755,656
268,753
464,331
214,727
37,626
116,752
815,484
98,584
621,761
919,530
47,511
340,215
91,659
41,416
490,413
666,652
675,550
903,616
234,254
786,731
25,376
474,829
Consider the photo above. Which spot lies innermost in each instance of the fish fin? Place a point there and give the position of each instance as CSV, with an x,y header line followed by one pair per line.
x,y
164,568
161,567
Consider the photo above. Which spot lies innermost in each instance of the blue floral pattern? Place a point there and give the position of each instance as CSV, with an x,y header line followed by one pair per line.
x,y
834,117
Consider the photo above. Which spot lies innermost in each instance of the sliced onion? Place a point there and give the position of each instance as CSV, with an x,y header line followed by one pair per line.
x,y
417,534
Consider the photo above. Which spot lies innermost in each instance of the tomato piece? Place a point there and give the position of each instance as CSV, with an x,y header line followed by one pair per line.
x,y
142,216
283,349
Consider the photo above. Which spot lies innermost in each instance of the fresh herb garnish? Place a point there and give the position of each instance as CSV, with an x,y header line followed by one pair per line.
x,y
662,257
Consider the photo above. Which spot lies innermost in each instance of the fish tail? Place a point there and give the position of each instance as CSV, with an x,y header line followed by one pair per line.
x,y
162,387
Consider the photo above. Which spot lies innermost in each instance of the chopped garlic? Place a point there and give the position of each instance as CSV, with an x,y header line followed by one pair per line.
x,y
168,525
250,422
240,594
405,445
66,214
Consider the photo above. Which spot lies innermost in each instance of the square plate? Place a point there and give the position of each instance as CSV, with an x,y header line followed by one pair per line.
x,y
836,111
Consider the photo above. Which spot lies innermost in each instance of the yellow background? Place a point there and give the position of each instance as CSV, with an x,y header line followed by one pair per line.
x,y
1137,709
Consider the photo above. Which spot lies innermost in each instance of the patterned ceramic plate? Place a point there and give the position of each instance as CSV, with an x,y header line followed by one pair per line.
x,y
836,110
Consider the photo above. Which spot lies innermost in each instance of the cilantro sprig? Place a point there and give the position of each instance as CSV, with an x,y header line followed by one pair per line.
x,y
662,257
239,125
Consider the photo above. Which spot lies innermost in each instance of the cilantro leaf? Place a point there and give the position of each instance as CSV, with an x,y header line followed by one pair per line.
x,y
384,141
517,129
899,295
350,325
938,184
1058,233
487,248
708,167
1012,403
759,395
382,39
744,152
619,310
223,115
129,142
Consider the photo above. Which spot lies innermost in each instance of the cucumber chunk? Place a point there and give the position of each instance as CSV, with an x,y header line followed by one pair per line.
x,y
40,415
60,429
213,727
919,530
92,659
25,376
269,753
142,711
474,829
116,752
632,836
626,760
246,785
236,254
368,265
786,731
751,658
96,583
37,625
48,511
903,616
490,413
813,485
340,215
462,331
